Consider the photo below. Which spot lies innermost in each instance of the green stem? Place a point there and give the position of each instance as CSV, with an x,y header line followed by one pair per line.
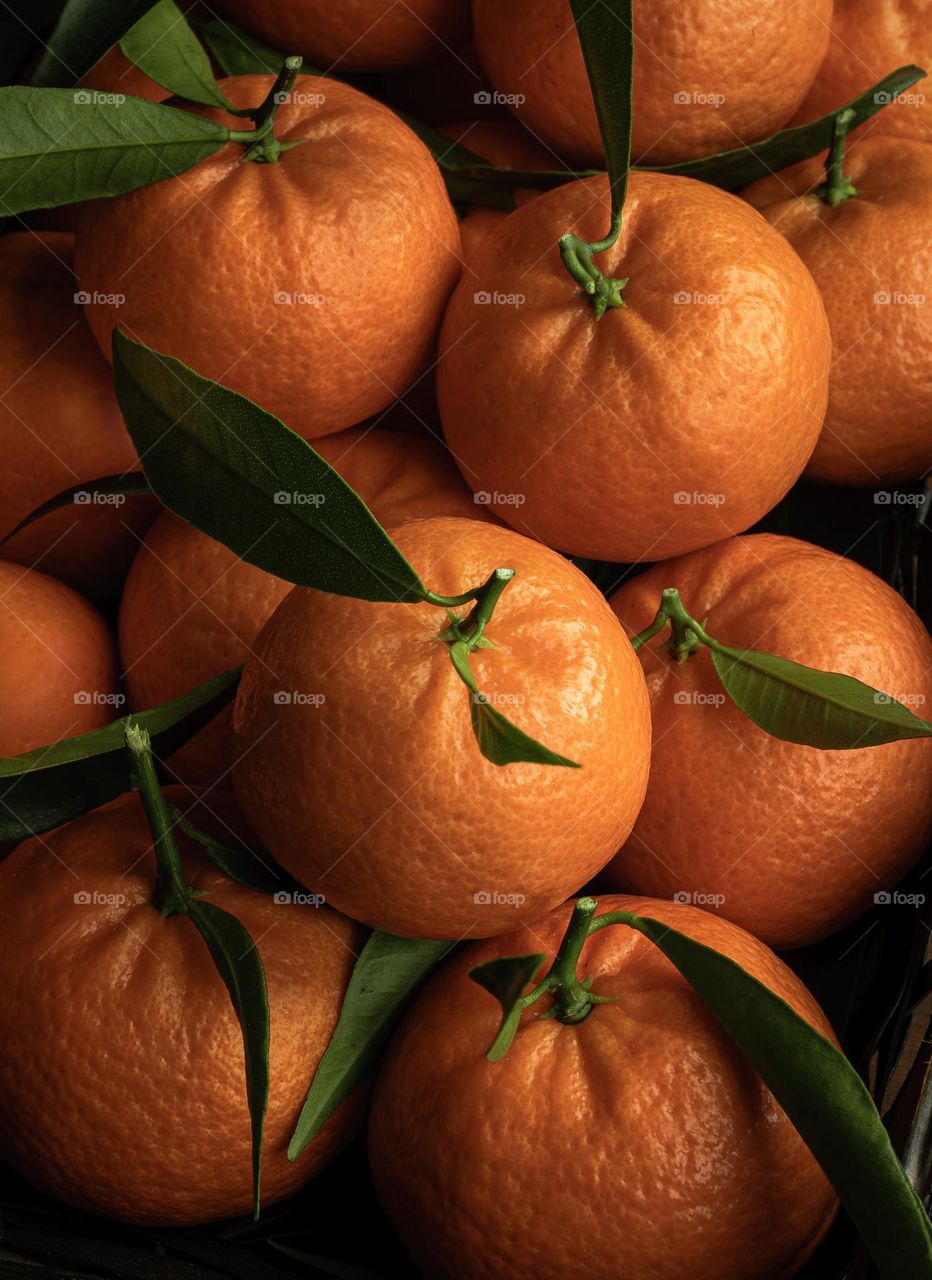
x,y
687,633
837,187
172,892
263,146
571,998
470,629
577,254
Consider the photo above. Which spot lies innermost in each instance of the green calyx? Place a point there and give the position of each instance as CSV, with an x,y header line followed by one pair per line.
x,y
469,629
262,146
686,633
601,291
837,187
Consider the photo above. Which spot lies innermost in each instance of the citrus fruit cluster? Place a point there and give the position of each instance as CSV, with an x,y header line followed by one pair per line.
x,y
381,578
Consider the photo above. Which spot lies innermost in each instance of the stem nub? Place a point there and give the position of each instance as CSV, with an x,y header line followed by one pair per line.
x,y
686,633
837,187
603,292
262,145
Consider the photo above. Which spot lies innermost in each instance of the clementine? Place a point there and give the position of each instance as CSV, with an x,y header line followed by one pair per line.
x,y
122,1085
871,257
59,673
789,841
356,35
429,838
707,77
643,1125
279,278
869,39
59,422
192,609
597,436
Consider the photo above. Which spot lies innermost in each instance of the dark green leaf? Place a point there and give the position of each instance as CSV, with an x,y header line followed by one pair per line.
x,y
240,54
733,170
84,32
240,966
499,740
387,974
132,484
248,867
506,978
820,1092
59,146
163,46
240,475
607,38
53,784
814,708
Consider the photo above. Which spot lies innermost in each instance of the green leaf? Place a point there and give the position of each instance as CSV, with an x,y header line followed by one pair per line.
x,y
387,974
814,708
59,146
247,866
132,484
606,35
84,32
734,170
237,473
820,1092
506,978
163,46
240,966
48,786
499,740
240,54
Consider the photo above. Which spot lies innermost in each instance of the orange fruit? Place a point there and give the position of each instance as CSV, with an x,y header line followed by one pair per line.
x,y
671,1156
871,257
315,286
790,842
356,35
59,422
869,39
507,145
136,1107
706,78
192,609
58,678
598,436
356,761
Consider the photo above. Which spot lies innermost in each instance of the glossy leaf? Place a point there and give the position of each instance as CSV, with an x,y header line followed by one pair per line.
x,y
48,786
240,54
59,146
814,708
237,473
606,35
506,978
733,170
821,1093
252,868
499,740
131,484
240,966
163,45
388,972
84,32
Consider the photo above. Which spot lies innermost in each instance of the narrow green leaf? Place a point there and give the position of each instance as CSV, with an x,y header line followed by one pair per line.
x,y
48,786
240,966
132,484
734,170
249,867
606,35
163,45
814,708
84,32
499,740
237,473
506,978
820,1092
387,974
59,146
